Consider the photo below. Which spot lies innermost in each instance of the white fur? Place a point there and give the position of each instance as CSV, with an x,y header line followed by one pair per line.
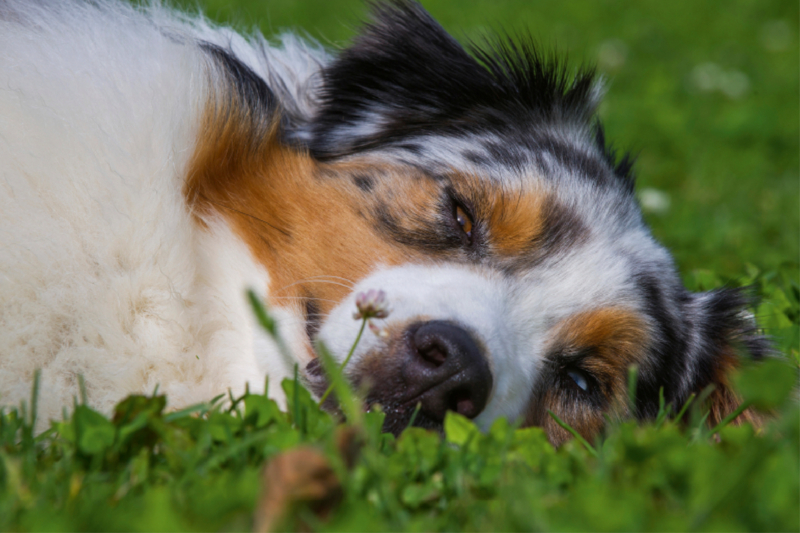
x,y
102,271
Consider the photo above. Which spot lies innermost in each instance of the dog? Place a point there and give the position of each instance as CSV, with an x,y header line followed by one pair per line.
x,y
156,166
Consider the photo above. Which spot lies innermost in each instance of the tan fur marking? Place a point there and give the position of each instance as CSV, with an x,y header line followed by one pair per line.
x,y
517,221
588,423
302,223
724,400
616,335
415,204
617,338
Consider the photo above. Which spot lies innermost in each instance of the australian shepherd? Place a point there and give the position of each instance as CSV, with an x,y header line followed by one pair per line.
x,y
153,167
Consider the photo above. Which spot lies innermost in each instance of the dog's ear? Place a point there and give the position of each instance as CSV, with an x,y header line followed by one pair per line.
x,y
405,76
723,333
397,76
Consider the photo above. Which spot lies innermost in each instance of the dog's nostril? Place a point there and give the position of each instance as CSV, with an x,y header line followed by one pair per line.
x,y
434,353
461,402
448,369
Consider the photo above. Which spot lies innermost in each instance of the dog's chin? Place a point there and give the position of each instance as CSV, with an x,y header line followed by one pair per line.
x,y
400,414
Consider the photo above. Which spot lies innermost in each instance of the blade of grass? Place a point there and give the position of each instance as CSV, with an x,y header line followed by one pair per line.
x,y
200,409
82,387
216,398
686,405
347,398
269,324
663,409
414,415
728,419
696,416
346,359
575,434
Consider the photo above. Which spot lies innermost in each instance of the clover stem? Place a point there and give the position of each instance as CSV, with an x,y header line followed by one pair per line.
x,y
346,359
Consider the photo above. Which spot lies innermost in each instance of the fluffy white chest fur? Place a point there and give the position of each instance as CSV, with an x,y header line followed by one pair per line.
x,y
102,270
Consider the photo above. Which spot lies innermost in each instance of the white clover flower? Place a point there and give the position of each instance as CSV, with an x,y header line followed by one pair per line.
x,y
371,304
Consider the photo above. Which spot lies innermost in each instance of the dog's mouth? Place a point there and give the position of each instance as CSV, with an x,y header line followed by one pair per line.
x,y
400,413
427,369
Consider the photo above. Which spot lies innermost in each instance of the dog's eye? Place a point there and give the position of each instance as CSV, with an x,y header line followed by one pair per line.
x,y
464,221
580,379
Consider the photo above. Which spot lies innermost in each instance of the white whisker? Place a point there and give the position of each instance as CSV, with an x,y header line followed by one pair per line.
x,y
321,279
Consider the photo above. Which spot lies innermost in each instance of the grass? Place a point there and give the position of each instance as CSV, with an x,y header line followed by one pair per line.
x,y
202,469
707,94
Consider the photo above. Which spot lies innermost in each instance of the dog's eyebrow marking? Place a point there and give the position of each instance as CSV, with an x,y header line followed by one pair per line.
x,y
615,334
563,228
364,182
423,237
527,226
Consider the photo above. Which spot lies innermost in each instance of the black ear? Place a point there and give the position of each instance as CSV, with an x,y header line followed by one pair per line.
x,y
406,76
723,333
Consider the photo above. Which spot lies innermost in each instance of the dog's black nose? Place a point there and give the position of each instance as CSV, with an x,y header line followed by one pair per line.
x,y
447,367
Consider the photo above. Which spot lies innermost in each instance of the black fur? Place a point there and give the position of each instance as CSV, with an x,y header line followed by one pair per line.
x,y
669,350
405,76
250,88
723,325
694,331
365,183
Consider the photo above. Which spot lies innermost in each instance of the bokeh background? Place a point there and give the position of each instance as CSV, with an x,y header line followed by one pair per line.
x,y
704,91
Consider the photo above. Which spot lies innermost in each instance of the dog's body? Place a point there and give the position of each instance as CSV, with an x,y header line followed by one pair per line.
x,y
152,168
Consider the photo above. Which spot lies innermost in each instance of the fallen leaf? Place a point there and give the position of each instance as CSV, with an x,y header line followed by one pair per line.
x,y
299,476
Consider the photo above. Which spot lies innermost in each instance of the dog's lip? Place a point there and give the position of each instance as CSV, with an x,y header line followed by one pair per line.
x,y
416,397
399,412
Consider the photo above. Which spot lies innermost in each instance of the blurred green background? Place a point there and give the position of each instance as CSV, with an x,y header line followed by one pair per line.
x,y
704,91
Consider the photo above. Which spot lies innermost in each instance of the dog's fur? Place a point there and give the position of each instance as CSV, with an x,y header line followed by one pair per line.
x,y
154,166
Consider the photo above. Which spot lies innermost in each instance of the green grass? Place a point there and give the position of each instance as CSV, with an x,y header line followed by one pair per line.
x,y
201,470
729,165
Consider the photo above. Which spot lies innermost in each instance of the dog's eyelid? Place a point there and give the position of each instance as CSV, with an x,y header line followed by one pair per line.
x,y
571,369
573,357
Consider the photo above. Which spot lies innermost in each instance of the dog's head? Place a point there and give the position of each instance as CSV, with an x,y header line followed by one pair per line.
x,y
476,190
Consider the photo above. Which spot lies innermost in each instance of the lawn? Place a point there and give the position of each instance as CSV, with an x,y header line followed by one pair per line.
x,y
706,93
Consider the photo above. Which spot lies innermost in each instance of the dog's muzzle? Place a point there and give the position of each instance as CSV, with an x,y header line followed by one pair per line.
x,y
430,368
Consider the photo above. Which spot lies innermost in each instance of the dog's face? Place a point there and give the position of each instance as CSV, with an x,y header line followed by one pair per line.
x,y
508,297
480,196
